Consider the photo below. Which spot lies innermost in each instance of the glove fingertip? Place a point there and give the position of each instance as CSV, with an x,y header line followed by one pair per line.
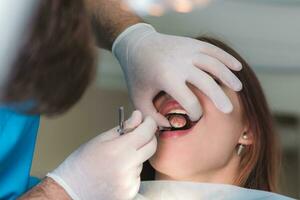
x,y
195,115
150,120
194,110
137,115
225,106
238,86
161,121
135,119
238,66
234,83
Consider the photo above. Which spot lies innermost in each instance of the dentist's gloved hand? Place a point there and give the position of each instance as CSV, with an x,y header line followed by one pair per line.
x,y
109,166
152,62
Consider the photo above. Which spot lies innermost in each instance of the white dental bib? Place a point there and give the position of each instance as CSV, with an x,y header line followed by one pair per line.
x,y
178,190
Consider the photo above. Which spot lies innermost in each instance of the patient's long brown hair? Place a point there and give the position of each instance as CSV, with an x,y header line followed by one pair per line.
x,y
56,62
259,167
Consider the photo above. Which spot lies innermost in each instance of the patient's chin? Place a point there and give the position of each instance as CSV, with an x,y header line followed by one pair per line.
x,y
170,170
175,161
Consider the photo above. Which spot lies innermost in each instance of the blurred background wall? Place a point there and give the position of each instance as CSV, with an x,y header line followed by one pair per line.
x,y
265,32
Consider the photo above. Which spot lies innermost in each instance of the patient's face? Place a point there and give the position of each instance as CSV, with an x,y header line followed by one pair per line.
x,y
206,148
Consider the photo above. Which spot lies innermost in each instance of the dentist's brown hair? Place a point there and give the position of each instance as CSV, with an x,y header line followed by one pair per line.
x,y
57,61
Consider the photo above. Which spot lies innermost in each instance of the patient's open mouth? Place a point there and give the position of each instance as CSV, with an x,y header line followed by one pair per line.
x,y
179,121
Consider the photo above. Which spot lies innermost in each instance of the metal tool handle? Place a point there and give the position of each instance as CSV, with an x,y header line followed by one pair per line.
x,y
121,130
121,120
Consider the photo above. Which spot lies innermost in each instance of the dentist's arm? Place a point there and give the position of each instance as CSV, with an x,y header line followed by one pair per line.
x,y
109,20
48,189
153,62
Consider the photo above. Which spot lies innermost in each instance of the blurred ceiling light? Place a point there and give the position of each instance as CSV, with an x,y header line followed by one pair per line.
x,y
183,6
156,10
141,7
159,7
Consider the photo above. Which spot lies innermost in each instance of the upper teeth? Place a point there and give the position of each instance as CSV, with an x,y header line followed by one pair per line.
x,y
177,111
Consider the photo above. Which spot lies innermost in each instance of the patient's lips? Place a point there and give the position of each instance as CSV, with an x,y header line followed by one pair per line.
x,y
177,121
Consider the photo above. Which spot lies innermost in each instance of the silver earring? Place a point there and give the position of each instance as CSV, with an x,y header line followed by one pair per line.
x,y
240,149
241,146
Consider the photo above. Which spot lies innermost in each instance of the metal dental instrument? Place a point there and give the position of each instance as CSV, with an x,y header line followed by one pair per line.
x,y
187,125
121,130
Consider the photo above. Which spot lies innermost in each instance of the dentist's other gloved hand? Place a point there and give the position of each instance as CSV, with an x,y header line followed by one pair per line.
x,y
109,166
153,62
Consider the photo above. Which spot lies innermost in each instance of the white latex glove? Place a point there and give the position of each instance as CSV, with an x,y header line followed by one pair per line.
x,y
109,166
154,62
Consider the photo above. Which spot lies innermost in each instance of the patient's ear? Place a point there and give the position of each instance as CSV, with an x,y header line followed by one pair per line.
x,y
246,137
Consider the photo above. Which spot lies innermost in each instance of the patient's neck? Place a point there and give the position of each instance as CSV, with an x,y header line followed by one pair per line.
x,y
223,175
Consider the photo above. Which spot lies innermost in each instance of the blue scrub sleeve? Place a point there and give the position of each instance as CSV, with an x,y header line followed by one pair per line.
x,y
17,141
